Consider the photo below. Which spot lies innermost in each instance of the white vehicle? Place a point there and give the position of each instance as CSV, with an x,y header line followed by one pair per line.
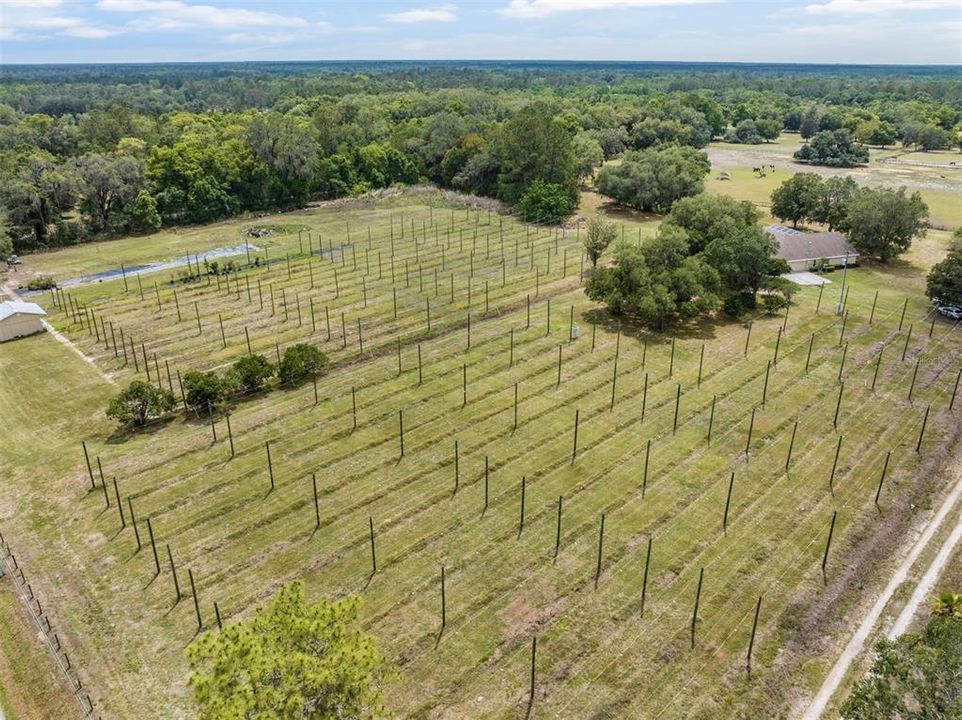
x,y
950,311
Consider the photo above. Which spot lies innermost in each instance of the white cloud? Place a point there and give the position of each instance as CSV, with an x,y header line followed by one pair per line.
x,y
441,13
878,6
89,32
170,14
21,26
139,5
543,8
35,4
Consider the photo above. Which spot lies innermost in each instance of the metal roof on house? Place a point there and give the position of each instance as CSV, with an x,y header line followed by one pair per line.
x,y
794,245
18,307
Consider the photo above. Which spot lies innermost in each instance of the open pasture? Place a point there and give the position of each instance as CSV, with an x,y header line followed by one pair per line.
x,y
629,499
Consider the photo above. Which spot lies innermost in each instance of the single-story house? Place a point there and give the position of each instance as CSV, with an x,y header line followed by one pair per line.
x,y
18,318
805,251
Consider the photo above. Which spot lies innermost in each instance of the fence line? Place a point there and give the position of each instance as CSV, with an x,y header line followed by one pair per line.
x,y
9,567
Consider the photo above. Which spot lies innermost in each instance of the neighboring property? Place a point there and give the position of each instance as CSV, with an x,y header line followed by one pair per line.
x,y
812,251
18,318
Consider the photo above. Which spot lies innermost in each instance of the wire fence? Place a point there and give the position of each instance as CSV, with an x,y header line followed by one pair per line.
x,y
9,567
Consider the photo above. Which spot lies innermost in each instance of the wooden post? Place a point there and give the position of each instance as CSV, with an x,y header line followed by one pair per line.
x,y
838,404
420,375
558,383
547,324
671,361
821,289
831,477
534,654
768,368
915,373
701,362
878,362
925,420
694,615
871,316
791,445
955,389
778,343
400,419
841,364
523,491
841,335
751,426
90,472
557,535
223,336
644,477
905,347
902,318
751,642
153,546
828,542
370,521
469,332
644,398
200,330
515,406
120,505
270,465
133,520
885,467
511,351
748,337
457,467
444,609
674,426
574,449
103,482
193,592
317,509
728,500
601,540
711,418
614,381
173,572
644,582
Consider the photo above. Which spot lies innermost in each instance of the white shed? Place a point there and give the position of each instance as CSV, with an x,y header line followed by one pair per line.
x,y
18,318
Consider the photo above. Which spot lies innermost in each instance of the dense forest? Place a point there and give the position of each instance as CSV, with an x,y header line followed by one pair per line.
x,y
91,150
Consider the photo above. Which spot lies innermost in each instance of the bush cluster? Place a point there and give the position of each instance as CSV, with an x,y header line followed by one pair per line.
x,y
209,391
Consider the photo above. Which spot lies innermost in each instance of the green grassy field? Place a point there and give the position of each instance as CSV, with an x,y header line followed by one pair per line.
x,y
598,655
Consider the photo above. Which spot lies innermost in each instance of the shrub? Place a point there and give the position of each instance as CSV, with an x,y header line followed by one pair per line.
x,y
139,403
545,203
41,282
252,371
206,390
737,304
300,362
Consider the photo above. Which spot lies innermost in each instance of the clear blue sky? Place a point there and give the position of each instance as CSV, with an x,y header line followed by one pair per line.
x,y
829,31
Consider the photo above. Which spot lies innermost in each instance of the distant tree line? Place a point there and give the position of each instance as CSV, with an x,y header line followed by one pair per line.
x,y
99,150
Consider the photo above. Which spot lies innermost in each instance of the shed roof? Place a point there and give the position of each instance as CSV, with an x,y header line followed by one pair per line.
x,y
795,245
19,307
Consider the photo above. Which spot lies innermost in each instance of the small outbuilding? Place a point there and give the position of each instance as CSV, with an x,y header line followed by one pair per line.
x,y
18,318
805,251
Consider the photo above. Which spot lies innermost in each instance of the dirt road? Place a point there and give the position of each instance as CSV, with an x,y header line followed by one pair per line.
x,y
857,642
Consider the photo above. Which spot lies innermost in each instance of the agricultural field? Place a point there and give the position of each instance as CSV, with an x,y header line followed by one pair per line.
x,y
936,175
646,510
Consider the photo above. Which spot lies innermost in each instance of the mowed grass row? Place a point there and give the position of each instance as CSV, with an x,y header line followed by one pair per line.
x,y
363,303
260,572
